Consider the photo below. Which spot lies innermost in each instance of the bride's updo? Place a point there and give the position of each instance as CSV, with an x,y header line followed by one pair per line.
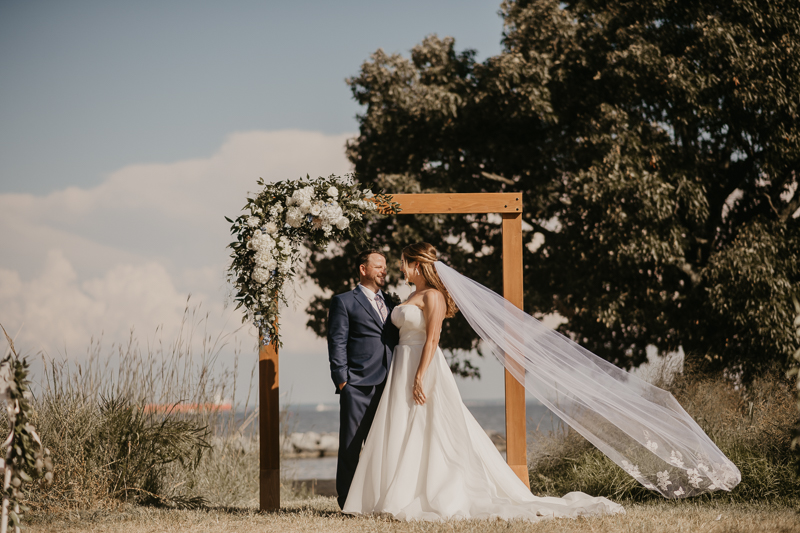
x,y
425,254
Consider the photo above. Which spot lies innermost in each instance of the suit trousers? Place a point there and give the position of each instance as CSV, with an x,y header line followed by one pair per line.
x,y
357,406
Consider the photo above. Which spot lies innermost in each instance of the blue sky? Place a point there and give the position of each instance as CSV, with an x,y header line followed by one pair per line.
x,y
128,129
91,86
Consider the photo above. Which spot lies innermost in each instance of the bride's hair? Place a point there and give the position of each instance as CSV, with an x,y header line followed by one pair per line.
x,y
425,254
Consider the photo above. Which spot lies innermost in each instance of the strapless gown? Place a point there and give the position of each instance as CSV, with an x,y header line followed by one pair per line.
x,y
434,461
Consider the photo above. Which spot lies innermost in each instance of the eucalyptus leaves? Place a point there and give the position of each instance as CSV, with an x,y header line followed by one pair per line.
x,y
25,457
273,226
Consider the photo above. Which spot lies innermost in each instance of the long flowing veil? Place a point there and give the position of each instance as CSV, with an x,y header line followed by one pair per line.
x,y
640,427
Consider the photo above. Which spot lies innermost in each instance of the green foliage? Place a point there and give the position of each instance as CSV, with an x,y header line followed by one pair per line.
x,y
274,226
25,457
136,447
656,145
753,428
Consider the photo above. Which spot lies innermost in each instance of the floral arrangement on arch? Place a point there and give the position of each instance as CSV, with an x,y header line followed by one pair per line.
x,y
276,223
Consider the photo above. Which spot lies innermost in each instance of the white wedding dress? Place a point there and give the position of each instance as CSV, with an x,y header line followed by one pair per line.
x,y
434,461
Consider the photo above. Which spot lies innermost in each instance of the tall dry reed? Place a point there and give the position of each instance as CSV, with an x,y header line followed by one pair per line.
x,y
117,424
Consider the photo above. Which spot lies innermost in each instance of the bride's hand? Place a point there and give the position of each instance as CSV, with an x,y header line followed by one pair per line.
x,y
419,396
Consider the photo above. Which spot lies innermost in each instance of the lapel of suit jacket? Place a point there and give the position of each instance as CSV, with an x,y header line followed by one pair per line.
x,y
364,301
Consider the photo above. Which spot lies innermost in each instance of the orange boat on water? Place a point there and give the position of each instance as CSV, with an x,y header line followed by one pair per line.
x,y
186,408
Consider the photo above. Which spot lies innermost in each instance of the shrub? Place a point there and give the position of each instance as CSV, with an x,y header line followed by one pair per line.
x,y
752,426
113,428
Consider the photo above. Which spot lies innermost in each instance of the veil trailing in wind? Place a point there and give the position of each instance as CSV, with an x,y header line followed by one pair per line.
x,y
640,427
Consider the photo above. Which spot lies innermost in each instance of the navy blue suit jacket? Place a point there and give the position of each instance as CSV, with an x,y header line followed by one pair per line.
x,y
360,346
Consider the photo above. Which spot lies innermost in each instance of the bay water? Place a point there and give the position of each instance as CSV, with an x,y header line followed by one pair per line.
x,y
324,418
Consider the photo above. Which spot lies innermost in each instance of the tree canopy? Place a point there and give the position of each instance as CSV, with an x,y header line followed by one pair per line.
x,y
657,147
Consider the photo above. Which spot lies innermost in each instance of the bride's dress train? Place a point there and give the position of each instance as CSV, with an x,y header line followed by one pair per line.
x,y
434,461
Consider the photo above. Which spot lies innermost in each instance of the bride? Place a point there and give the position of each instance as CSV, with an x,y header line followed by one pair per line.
x,y
427,458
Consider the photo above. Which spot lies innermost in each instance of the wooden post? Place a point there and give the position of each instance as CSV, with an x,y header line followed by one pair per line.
x,y
269,429
516,435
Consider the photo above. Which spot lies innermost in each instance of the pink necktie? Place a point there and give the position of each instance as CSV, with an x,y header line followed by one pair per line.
x,y
381,306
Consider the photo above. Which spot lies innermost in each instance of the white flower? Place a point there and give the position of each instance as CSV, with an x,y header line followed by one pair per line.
x,y
652,446
276,210
330,213
302,196
366,205
631,469
729,477
294,217
663,480
676,458
678,492
285,243
694,478
333,192
271,228
285,266
263,258
343,223
326,228
368,193
262,242
305,207
253,222
316,208
260,275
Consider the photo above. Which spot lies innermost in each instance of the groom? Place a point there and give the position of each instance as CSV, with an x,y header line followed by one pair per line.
x,y
361,338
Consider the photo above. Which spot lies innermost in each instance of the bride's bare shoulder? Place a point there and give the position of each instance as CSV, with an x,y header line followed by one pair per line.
x,y
433,296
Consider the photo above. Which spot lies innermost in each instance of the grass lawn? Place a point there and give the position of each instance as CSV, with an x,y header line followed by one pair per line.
x,y
322,514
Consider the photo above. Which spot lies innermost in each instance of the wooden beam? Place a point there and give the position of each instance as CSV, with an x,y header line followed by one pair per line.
x,y
490,202
269,429
516,434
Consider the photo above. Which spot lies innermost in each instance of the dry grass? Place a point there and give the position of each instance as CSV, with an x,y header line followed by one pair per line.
x,y
109,447
322,514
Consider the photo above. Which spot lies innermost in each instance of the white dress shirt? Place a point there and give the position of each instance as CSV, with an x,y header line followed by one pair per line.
x,y
371,297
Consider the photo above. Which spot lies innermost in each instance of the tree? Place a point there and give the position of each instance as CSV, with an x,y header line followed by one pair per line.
x,y
657,147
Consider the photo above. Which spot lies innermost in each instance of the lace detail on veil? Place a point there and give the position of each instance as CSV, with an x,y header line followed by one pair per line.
x,y
640,427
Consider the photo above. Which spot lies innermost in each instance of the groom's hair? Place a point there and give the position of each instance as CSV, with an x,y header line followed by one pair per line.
x,y
363,257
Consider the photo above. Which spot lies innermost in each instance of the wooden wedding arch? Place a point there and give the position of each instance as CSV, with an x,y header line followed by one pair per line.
x,y
509,206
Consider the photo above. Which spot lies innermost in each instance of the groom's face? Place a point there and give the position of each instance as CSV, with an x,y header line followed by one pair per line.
x,y
374,270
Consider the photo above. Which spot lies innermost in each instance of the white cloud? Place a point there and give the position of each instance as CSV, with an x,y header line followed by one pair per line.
x,y
79,263
171,212
56,311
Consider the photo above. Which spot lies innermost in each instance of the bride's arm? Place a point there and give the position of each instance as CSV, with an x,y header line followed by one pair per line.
x,y
434,312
